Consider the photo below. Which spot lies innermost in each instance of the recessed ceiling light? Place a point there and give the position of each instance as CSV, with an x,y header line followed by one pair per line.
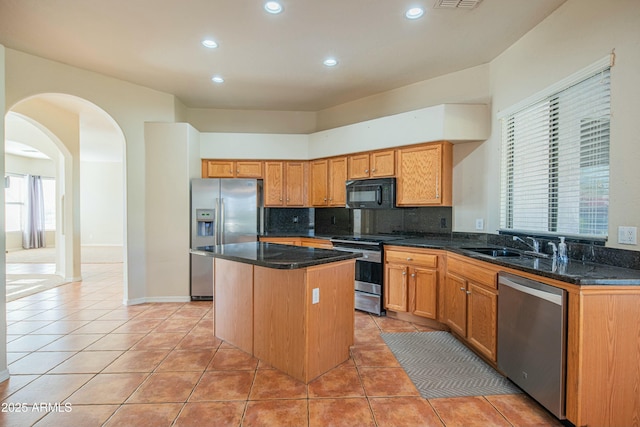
x,y
209,43
217,79
273,7
414,13
330,62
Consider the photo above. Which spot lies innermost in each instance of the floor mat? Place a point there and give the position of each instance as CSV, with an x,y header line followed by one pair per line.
x,y
441,366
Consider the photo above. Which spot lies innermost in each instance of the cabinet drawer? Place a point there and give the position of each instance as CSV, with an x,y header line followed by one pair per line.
x,y
478,271
413,258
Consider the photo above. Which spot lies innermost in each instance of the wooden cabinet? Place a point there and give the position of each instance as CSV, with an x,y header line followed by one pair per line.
x,y
312,242
328,177
411,281
372,165
471,302
285,184
424,175
232,169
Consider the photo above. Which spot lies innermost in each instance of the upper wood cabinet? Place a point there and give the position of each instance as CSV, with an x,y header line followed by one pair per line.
x,y
424,175
377,164
231,169
285,184
328,177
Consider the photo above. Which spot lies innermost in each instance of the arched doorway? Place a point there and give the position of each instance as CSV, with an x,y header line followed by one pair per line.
x,y
89,157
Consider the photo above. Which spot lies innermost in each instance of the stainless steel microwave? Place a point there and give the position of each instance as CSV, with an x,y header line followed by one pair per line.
x,y
371,193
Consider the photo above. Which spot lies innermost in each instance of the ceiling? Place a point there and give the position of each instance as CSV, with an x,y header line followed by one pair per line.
x,y
269,62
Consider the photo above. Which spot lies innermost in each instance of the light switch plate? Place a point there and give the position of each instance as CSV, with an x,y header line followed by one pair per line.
x,y
315,296
628,235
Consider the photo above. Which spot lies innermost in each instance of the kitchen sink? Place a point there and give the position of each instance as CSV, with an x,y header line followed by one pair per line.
x,y
495,252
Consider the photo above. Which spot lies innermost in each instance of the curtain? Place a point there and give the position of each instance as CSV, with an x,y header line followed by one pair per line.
x,y
33,235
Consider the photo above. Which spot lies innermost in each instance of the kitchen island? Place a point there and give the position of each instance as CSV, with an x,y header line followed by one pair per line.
x,y
292,307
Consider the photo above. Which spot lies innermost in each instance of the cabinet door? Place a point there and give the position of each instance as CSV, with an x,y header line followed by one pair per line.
x,y
248,169
337,180
319,170
424,175
219,169
383,163
274,184
359,166
425,289
482,319
395,287
455,304
295,183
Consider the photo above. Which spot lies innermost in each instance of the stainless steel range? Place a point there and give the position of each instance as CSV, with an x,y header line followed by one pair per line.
x,y
369,278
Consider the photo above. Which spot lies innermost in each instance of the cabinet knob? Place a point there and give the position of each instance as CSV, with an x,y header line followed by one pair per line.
x,y
237,170
330,199
373,170
404,273
409,259
468,292
325,199
366,171
287,199
462,289
230,171
413,274
280,199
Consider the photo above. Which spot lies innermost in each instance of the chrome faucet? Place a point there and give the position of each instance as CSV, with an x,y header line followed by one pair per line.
x,y
555,249
534,244
535,247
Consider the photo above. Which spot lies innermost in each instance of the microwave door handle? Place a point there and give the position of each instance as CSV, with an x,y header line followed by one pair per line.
x,y
379,195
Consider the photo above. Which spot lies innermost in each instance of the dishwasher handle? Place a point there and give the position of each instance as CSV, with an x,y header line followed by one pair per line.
x,y
540,290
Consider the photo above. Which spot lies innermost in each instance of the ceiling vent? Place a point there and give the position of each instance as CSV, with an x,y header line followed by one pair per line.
x,y
456,4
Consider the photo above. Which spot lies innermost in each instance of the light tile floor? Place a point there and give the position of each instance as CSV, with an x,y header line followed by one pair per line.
x,y
79,357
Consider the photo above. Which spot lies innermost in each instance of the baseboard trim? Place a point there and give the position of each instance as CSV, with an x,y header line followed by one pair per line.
x,y
4,375
137,301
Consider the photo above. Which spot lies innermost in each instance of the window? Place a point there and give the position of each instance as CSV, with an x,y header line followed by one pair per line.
x,y
15,198
555,160
14,194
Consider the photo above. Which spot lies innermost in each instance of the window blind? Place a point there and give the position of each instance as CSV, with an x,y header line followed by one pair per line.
x,y
555,162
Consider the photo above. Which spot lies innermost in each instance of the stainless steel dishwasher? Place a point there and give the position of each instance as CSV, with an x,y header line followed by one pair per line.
x,y
532,325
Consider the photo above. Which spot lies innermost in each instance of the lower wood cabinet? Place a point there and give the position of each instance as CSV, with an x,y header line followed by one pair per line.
x,y
411,281
471,303
312,242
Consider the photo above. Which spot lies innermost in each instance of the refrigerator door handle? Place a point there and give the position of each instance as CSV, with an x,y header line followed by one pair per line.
x,y
216,223
222,221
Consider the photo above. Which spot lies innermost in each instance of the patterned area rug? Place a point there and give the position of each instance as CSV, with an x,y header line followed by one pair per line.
x,y
441,366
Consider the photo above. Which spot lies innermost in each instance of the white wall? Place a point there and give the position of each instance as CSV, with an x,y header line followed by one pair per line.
x,y
579,33
224,145
172,160
4,373
102,203
131,106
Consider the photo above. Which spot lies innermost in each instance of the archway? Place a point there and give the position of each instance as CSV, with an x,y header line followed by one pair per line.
x,y
87,140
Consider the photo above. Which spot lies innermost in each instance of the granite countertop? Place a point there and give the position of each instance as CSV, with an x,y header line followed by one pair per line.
x,y
575,272
273,255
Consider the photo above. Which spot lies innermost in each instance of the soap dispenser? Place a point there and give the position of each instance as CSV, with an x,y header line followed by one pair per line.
x,y
562,251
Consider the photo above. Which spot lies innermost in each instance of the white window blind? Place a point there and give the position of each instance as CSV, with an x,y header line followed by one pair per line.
x,y
555,161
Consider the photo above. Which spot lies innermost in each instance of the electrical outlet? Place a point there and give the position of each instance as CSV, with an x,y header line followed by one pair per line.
x,y
627,235
315,296
479,224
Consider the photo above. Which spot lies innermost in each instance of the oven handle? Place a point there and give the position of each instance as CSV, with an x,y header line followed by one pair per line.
x,y
367,256
379,195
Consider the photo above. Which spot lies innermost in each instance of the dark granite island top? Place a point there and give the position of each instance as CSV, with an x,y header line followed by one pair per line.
x,y
273,255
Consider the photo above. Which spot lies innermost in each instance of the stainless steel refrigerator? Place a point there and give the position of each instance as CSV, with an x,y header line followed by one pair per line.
x,y
222,211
